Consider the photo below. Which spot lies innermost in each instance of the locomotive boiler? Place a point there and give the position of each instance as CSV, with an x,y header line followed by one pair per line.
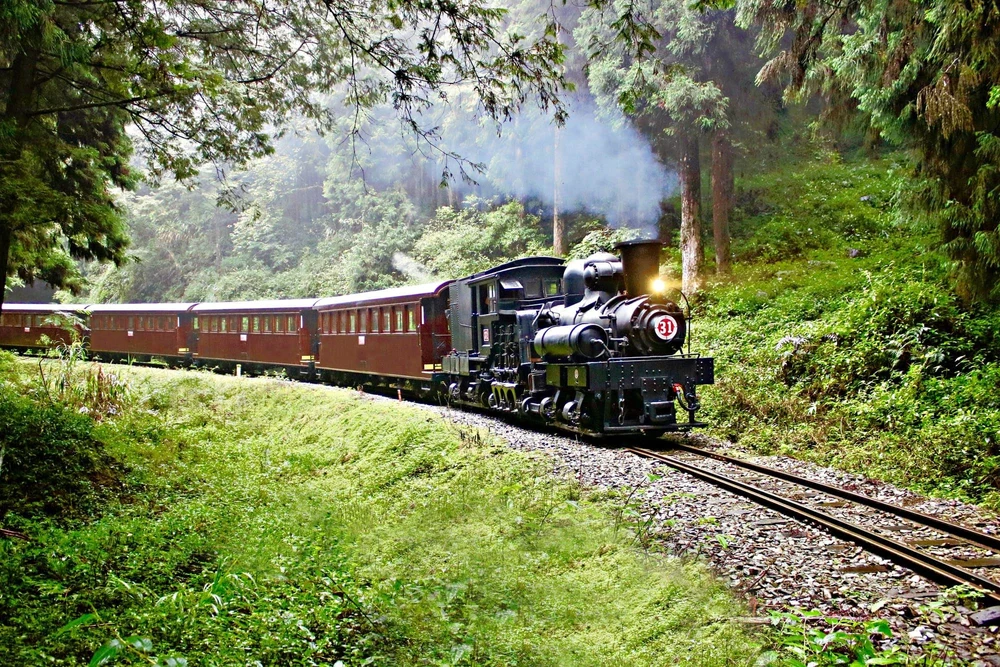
x,y
590,346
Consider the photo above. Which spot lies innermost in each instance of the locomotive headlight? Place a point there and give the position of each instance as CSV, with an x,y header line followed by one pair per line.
x,y
659,286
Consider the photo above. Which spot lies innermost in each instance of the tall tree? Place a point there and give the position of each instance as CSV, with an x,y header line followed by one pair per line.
x,y
722,199
923,73
207,81
695,85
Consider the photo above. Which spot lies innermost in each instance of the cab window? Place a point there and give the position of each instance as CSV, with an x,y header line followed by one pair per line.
x,y
487,298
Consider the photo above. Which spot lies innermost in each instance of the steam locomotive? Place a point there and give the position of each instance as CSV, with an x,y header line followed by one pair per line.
x,y
603,358
592,346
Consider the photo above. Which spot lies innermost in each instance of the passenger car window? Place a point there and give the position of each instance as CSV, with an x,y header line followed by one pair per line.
x,y
291,324
412,317
399,319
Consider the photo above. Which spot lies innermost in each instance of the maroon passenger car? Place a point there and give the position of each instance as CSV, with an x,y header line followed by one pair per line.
x,y
22,325
401,332
256,333
141,331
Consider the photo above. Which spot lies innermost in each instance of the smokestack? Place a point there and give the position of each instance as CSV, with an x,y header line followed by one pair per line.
x,y
641,264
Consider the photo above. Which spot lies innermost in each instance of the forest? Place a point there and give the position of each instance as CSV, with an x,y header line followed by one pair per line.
x,y
305,169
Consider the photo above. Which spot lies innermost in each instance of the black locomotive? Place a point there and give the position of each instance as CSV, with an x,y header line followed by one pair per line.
x,y
587,346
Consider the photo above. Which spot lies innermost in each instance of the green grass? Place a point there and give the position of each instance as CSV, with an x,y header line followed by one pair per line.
x,y
839,339
267,522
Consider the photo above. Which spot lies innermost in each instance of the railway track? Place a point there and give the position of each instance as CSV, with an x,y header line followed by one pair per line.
x,y
913,555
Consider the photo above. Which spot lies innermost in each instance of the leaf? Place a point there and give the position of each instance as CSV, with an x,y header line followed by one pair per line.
x,y
141,644
182,662
766,658
86,619
106,653
878,605
880,626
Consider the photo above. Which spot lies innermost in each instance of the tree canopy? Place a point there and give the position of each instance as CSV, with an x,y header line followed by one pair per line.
x,y
188,82
923,74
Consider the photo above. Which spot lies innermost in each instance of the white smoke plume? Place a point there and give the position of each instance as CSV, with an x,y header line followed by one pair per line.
x,y
411,268
607,167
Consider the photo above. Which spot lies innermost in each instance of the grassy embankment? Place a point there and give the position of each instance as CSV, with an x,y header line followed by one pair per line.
x,y
839,340
180,516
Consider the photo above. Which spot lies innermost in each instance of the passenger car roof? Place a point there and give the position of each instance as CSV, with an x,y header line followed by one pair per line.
x,y
44,307
253,306
139,307
392,294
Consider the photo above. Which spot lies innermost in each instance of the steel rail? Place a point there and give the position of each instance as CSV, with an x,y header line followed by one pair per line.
x,y
975,537
932,568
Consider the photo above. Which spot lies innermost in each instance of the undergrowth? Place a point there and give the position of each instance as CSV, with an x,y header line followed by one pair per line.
x,y
267,522
839,339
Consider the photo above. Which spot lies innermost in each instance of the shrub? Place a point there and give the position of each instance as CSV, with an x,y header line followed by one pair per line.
x,y
50,461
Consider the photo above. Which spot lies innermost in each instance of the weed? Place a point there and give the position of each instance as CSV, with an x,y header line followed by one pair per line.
x,y
810,638
838,339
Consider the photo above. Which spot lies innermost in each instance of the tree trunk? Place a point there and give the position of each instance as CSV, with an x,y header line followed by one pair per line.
x,y
558,223
722,200
19,95
5,235
692,255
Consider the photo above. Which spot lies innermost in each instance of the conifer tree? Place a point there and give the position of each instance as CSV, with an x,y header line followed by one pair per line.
x,y
924,74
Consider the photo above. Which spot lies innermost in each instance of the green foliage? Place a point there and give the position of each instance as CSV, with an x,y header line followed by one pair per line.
x,y
851,349
601,240
821,203
194,84
469,240
51,461
809,638
923,75
280,523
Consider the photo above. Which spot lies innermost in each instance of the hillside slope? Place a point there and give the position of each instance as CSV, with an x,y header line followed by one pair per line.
x,y
839,340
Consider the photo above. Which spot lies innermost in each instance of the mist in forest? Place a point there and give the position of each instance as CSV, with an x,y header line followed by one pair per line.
x,y
604,166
